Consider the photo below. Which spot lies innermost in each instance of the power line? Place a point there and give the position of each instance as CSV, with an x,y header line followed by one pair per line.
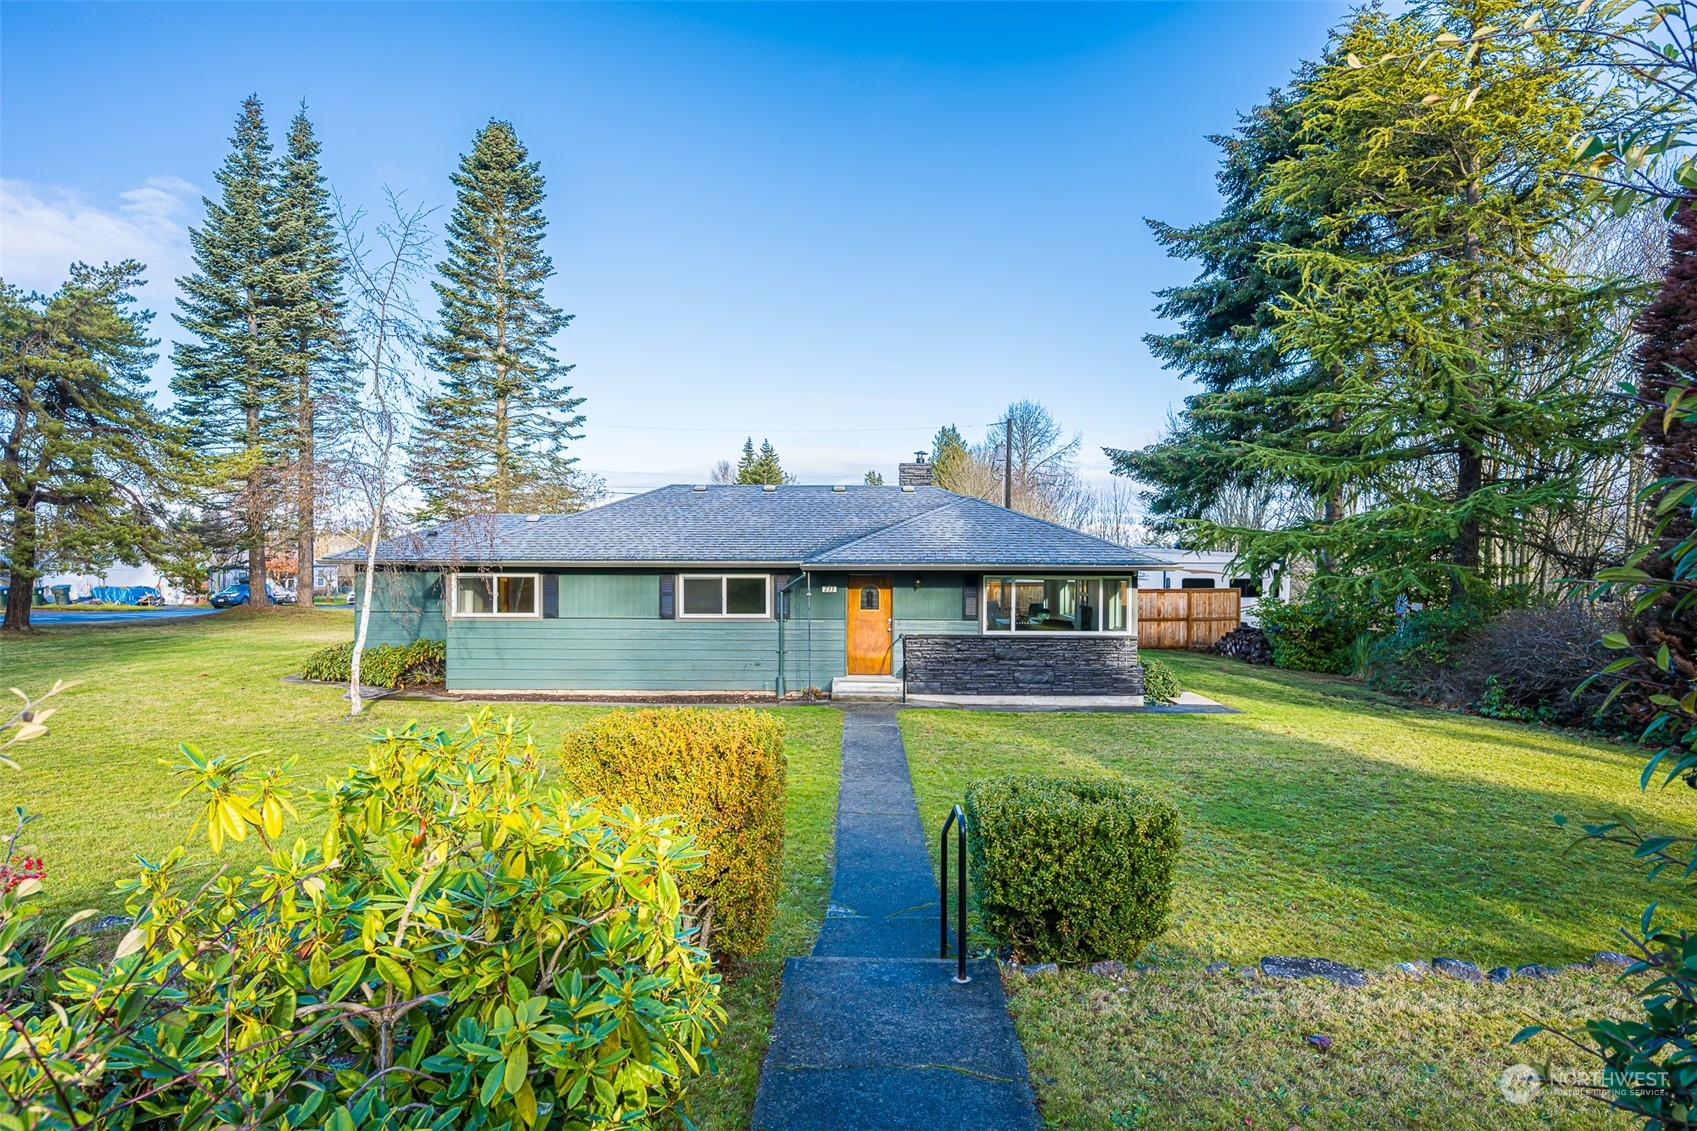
x,y
760,431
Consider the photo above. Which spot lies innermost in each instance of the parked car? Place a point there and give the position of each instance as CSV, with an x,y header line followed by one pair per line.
x,y
237,594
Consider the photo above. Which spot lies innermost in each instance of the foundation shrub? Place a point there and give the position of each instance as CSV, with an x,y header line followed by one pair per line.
x,y
1160,685
383,665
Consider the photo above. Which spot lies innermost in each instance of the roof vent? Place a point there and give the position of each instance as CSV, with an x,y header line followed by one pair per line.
x,y
701,486
838,489
768,488
533,518
907,490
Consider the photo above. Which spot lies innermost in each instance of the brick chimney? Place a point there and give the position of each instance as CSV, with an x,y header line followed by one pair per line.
x,y
915,474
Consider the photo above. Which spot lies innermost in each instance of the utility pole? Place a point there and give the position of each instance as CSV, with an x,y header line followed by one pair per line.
x,y
1007,465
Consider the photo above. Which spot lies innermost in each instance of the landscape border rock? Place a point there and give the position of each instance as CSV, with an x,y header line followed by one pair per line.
x,y
1611,958
1283,966
1278,966
1457,969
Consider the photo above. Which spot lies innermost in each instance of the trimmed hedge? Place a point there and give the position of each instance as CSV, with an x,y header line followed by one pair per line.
x,y
1070,869
723,773
382,665
1160,685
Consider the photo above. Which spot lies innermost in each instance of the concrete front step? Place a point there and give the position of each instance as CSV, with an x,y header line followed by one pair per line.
x,y
867,689
893,1043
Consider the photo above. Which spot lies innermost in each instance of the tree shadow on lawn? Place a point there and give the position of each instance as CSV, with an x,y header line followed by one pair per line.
x,y
1535,739
1312,848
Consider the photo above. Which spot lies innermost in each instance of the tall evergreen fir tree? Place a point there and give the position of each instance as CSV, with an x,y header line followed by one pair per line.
x,y
318,377
1463,406
1254,390
747,464
230,385
87,458
493,439
761,468
951,460
771,468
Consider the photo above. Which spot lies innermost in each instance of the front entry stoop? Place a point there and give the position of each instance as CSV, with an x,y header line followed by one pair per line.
x,y
867,689
871,1031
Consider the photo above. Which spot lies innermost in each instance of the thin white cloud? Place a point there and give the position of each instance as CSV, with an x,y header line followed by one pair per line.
x,y
45,228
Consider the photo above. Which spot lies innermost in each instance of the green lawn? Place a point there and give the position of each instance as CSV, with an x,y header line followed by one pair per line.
x,y
1327,821
102,797
1322,821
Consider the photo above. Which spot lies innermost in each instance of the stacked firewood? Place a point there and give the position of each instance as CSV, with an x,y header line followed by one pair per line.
x,y
1246,643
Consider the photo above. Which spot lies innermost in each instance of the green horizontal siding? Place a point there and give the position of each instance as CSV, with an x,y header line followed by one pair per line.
x,y
626,654
609,636
405,607
937,597
633,595
825,606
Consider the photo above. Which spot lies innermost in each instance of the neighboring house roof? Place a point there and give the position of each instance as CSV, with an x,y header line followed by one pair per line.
x,y
804,526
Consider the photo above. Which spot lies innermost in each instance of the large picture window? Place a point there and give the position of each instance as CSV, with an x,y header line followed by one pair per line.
x,y
496,595
746,596
1057,604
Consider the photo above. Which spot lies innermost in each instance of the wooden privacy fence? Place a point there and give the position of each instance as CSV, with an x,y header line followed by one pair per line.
x,y
1185,618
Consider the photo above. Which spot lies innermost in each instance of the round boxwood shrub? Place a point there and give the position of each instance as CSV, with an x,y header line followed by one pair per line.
x,y
1070,869
723,773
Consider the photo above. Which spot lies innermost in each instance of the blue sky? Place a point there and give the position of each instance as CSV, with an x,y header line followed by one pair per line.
x,y
839,226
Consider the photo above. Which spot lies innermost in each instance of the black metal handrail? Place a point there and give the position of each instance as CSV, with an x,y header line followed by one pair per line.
x,y
958,820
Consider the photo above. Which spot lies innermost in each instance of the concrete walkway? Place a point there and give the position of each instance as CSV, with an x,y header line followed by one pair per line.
x,y
871,1031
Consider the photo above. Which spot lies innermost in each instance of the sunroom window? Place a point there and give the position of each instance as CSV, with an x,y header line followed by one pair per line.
x,y
1056,604
495,595
726,595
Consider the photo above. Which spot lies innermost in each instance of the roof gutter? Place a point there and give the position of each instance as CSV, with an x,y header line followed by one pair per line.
x,y
815,566
986,567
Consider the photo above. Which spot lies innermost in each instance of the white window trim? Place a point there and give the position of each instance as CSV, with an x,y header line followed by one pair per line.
x,y
984,605
678,608
454,597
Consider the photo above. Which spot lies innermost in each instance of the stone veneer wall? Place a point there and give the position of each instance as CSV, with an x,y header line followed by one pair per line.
x,y
1038,663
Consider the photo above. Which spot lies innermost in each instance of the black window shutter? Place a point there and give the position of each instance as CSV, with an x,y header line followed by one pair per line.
x,y
550,595
783,602
969,599
668,596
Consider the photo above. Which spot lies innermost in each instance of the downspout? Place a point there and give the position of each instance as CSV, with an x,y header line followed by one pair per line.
x,y
782,608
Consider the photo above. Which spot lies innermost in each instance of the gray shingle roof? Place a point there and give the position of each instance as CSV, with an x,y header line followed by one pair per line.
x,y
792,525
972,532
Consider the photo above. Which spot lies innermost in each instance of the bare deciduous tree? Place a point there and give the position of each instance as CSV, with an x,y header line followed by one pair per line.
x,y
388,334
1045,471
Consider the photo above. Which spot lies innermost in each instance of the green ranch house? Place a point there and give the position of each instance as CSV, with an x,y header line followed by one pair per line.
x,y
874,592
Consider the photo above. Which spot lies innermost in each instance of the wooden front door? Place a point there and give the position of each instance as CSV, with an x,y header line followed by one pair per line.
x,y
869,626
